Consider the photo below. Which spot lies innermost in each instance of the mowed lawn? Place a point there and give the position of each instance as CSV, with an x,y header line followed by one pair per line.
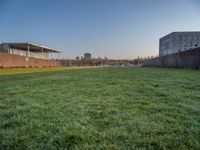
x,y
99,108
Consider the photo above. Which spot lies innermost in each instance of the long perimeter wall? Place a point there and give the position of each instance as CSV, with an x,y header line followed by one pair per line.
x,y
185,59
10,60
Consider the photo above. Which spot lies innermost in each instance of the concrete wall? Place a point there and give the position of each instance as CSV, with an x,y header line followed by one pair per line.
x,y
10,60
185,59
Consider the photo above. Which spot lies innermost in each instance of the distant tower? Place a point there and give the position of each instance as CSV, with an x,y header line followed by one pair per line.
x,y
105,58
77,58
87,56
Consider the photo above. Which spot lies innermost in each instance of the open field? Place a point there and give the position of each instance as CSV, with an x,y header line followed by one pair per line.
x,y
99,108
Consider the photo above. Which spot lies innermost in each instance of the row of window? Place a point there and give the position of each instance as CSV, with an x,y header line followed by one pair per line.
x,y
165,52
167,45
168,51
188,44
188,37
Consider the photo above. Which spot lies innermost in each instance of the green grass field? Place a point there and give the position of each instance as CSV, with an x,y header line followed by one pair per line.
x,y
99,108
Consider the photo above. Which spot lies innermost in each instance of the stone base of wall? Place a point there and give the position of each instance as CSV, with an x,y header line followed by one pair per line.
x,y
185,59
10,60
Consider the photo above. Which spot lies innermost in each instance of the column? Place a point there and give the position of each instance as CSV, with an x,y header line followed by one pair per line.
x,y
28,53
42,53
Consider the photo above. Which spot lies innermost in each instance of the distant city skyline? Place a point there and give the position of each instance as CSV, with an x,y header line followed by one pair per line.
x,y
118,29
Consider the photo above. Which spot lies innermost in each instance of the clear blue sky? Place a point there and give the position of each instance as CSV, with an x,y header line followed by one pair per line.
x,y
115,28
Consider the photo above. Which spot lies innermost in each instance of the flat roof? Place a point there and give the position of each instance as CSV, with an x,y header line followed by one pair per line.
x,y
32,47
184,32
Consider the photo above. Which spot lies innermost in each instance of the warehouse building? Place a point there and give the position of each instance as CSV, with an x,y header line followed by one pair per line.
x,y
178,41
26,55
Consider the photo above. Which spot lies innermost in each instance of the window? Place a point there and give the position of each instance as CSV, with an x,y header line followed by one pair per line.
x,y
168,44
179,44
185,44
190,37
180,37
196,37
191,44
185,37
163,46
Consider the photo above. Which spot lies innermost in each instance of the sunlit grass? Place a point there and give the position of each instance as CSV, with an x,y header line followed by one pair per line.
x,y
8,71
100,108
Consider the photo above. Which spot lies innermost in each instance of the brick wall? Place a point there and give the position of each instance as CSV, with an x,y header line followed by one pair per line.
x,y
185,59
10,60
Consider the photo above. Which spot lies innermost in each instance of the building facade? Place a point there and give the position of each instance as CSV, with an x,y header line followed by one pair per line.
x,y
27,49
178,41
